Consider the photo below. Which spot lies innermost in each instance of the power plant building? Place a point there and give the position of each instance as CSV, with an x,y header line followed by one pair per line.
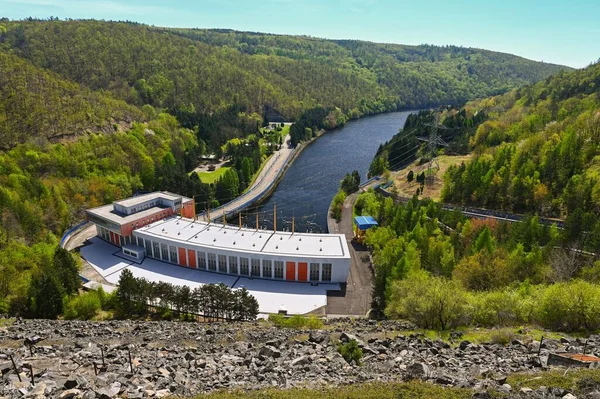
x,y
162,226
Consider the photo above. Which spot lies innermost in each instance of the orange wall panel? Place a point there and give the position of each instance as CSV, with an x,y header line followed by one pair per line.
x,y
290,272
302,271
188,210
182,259
192,258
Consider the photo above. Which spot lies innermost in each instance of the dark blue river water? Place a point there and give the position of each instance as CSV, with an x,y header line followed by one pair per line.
x,y
309,185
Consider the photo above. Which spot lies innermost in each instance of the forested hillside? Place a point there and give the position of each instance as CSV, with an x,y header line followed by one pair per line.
x,y
196,72
38,103
417,76
535,150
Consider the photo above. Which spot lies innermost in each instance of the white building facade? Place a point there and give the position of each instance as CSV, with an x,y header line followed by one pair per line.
x,y
245,252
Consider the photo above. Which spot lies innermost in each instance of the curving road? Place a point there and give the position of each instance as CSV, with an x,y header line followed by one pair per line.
x,y
263,182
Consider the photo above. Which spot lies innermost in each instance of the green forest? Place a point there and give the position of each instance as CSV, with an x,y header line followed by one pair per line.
x,y
535,152
93,111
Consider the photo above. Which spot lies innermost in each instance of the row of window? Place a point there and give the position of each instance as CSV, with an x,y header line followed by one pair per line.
x,y
222,263
232,264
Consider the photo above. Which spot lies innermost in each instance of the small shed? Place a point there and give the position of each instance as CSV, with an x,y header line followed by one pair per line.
x,y
363,223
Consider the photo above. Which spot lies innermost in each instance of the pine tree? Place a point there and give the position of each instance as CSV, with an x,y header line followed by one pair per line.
x,y
45,295
66,270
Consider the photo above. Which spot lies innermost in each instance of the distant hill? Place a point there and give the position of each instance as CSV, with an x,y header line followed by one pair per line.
x,y
208,70
36,103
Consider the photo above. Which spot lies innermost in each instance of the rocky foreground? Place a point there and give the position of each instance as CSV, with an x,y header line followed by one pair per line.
x,y
156,359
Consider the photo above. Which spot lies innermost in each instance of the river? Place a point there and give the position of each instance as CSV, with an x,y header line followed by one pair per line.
x,y
310,183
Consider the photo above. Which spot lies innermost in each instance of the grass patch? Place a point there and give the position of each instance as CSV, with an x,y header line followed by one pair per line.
x,y
501,336
412,389
7,322
577,381
297,322
211,177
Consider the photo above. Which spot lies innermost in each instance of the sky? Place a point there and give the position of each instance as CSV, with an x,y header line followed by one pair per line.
x,y
561,32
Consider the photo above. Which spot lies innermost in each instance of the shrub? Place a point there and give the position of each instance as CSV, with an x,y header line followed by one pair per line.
x,y
429,302
350,351
572,306
82,307
337,205
502,336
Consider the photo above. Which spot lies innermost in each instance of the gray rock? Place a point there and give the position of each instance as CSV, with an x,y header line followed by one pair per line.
x,y
269,351
418,370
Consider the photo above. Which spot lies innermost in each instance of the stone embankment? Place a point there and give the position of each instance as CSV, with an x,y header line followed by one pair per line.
x,y
156,359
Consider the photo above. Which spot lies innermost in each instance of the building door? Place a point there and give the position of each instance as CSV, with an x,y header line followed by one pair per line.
x,y
182,257
290,271
192,258
302,271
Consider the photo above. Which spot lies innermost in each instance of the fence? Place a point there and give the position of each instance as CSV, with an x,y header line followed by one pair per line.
x,y
71,231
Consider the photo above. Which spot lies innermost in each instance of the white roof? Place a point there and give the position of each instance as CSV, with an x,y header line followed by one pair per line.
x,y
248,240
127,202
295,297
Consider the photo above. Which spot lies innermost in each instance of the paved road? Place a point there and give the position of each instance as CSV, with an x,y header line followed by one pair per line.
x,y
355,298
262,182
78,239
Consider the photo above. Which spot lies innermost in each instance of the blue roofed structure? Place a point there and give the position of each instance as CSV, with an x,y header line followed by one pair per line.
x,y
365,222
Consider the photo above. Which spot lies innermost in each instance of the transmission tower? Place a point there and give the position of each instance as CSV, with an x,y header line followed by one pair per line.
x,y
433,142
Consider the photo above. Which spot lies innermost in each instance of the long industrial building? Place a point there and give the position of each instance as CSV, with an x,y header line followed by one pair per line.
x,y
161,225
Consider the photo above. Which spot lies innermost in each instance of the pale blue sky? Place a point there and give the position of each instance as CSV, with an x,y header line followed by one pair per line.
x,y
562,32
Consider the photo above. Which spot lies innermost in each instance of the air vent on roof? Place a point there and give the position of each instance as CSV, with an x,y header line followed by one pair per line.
x,y
214,240
242,234
177,223
196,237
259,236
179,233
163,229
320,240
253,245
224,232
234,243
320,249
297,248
280,238
300,239
276,246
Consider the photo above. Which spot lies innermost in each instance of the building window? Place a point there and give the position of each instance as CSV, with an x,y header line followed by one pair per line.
x,y
326,276
314,272
233,265
155,250
244,271
255,268
173,251
212,262
147,245
202,260
267,271
223,263
164,251
278,269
